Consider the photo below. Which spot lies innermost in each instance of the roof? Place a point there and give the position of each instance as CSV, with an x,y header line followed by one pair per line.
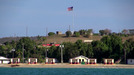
x,y
3,58
79,57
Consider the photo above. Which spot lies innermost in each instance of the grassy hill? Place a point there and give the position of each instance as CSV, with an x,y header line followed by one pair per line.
x,y
59,39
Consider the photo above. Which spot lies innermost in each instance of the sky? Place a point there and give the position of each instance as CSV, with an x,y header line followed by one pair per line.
x,y
38,15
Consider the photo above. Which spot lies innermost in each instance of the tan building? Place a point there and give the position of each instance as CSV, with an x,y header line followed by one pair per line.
x,y
58,33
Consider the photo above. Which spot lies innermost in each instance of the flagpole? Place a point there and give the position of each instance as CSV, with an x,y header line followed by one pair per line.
x,y
73,22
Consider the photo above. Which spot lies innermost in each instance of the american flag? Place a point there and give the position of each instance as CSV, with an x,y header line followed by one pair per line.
x,y
70,8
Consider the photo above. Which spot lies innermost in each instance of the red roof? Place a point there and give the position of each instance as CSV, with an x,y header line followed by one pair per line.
x,y
51,45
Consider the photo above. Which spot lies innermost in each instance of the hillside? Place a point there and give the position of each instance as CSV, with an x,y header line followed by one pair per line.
x,y
58,39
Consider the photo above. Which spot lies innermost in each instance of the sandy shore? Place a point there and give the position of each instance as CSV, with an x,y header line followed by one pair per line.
x,y
66,65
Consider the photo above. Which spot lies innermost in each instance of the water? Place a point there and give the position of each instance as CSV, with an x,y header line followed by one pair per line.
x,y
65,71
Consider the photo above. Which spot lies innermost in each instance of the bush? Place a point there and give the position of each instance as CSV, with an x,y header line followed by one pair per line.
x,y
51,33
68,33
76,34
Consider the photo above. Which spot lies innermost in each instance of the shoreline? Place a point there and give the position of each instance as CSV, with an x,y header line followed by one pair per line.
x,y
66,65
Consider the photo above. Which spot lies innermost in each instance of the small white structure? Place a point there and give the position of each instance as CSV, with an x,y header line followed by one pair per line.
x,y
82,59
88,41
4,60
50,60
15,60
108,61
130,61
32,60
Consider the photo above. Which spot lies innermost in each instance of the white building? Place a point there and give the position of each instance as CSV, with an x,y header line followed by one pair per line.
x,y
81,59
4,60
130,61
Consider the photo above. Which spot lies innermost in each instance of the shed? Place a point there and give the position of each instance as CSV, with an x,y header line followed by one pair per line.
x,y
50,61
130,61
4,60
32,60
108,61
15,60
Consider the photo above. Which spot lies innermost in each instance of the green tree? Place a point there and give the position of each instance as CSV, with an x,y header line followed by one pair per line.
x,y
76,34
82,32
27,44
100,50
51,33
89,52
102,32
88,32
68,33
115,46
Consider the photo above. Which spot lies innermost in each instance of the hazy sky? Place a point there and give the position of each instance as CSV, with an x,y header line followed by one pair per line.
x,y
37,15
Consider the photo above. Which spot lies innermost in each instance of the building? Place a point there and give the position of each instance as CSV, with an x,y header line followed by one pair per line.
x,y
32,60
130,61
108,61
4,60
131,31
88,41
15,60
58,33
50,61
82,60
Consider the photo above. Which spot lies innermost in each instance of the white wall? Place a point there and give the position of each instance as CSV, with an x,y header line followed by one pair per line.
x,y
4,62
130,61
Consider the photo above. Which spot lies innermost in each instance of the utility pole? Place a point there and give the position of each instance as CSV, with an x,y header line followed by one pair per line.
x,y
13,52
61,46
46,31
26,31
124,55
23,51
46,52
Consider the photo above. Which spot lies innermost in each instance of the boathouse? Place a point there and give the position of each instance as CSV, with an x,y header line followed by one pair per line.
x,y
15,60
82,60
108,61
4,60
32,60
50,60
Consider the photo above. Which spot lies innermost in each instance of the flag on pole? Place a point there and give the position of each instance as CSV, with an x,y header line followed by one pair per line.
x,y
70,8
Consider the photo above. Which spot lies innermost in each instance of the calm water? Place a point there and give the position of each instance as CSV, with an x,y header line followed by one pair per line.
x,y
65,71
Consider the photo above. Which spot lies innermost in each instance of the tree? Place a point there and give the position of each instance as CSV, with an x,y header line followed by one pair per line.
x,y
76,34
107,31
89,32
99,50
44,38
89,52
115,46
68,33
102,32
51,33
82,32
27,44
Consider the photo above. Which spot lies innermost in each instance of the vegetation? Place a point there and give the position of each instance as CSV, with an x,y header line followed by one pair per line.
x,y
51,33
108,47
76,34
104,32
68,33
